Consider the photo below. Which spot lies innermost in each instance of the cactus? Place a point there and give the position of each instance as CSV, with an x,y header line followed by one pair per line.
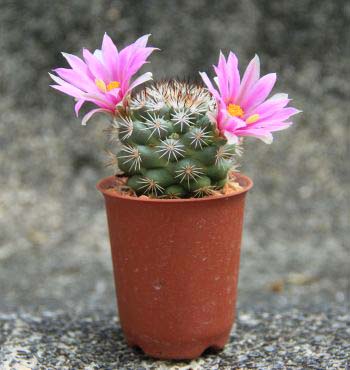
x,y
168,145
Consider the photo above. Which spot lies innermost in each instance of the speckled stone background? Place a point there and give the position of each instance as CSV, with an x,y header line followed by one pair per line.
x,y
54,250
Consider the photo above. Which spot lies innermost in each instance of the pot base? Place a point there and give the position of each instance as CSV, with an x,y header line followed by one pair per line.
x,y
178,351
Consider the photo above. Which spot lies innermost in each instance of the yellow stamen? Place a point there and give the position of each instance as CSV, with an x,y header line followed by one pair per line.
x,y
235,110
101,85
252,119
113,85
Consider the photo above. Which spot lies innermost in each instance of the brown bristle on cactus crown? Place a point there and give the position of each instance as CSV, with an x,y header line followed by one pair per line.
x,y
169,147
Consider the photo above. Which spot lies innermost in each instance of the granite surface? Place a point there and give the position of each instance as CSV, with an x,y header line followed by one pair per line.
x,y
262,339
54,248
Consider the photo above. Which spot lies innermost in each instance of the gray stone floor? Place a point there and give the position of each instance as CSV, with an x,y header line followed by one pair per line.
x,y
262,339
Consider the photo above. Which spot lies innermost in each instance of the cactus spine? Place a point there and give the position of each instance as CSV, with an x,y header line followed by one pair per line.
x,y
169,147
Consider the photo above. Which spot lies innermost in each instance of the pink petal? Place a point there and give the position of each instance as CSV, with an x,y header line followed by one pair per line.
x,y
283,114
142,41
278,126
222,80
96,67
131,59
251,75
57,79
259,92
69,90
233,75
75,78
232,123
133,64
98,55
124,62
139,59
110,55
78,105
102,100
92,112
65,87
75,62
269,107
228,77
221,113
261,134
231,137
279,96
140,80
210,86
115,95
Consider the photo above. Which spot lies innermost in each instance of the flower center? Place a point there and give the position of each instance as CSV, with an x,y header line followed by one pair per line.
x,y
113,85
104,88
235,110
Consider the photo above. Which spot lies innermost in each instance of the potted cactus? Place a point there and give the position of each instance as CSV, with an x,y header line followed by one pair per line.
x,y
175,207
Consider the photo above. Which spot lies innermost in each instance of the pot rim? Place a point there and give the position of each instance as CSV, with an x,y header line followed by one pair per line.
x,y
104,186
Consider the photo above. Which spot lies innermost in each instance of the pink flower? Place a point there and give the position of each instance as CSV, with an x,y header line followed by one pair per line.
x,y
242,107
104,77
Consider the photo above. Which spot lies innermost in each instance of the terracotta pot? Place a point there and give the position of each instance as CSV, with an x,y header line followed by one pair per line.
x,y
176,267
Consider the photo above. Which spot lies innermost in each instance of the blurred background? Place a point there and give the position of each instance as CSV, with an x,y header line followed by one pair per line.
x,y
54,247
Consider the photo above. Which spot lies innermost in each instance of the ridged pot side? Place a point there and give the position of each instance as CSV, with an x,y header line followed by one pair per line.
x,y
176,268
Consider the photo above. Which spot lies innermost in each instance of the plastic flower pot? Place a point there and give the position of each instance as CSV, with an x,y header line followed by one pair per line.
x,y
176,265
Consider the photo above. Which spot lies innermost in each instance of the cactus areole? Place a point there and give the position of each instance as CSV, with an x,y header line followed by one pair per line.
x,y
175,204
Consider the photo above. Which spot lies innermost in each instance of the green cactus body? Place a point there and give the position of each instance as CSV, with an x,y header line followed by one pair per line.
x,y
169,147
